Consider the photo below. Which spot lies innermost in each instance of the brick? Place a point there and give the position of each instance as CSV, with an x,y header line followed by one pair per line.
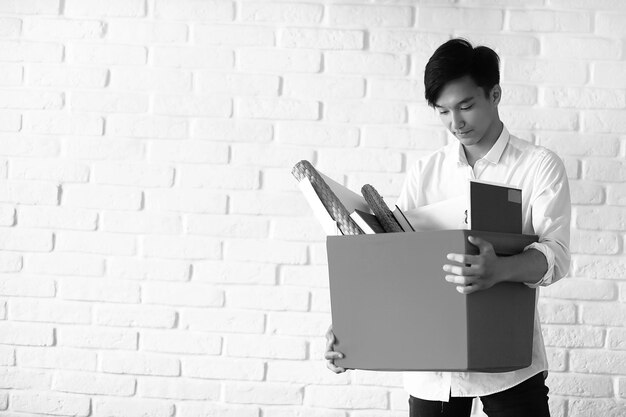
x,y
396,89
227,226
11,74
25,379
377,378
604,170
137,363
485,20
321,86
520,95
178,105
293,14
600,267
297,229
96,337
610,24
601,218
186,200
91,383
64,29
26,334
556,312
265,251
104,148
143,222
101,197
593,407
274,179
28,51
357,62
549,21
193,57
258,202
234,35
223,321
583,98
299,411
234,272
359,160
186,294
140,174
135,316
109,102
369,111
404,41
231,131
218,177
541,119
187,342
57,218
51,311
12,239
61,171
279,61
263,393
91,289
264,346
10,262
370,16
97,243
201,409
193,151
545,72
182,247
594,361
150,79
179,389
603,121
616,339
49,402
30,7
103,406
195,10
583,48
297,324
317,134
223,368
305,276
594,243
7,356
557,359
313,38
572,336
580,385
136,31
10,122
114,8
107,54
10,28
41,75
148,269
348,397
31,100
7,215
237,84
304,372
580,144
277,108
267,298
57,358
147,126
610,314
62,123
616,194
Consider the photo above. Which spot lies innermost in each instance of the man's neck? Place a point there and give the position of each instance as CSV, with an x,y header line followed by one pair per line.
x,y
475,152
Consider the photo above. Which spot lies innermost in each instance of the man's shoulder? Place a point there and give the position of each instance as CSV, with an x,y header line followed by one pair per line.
x,y
530,150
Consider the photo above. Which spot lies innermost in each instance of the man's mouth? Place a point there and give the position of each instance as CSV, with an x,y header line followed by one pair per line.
x,y
463,133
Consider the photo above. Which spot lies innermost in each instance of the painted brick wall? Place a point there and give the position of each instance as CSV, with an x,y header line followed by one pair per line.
x,y
156,258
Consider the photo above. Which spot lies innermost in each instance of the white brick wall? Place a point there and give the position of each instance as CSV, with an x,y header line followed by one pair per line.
x,y
156,257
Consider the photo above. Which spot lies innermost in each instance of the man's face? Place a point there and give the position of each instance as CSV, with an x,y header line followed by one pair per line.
x,y
466,111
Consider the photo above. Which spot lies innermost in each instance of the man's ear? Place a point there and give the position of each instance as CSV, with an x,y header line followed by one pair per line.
x,y
496,94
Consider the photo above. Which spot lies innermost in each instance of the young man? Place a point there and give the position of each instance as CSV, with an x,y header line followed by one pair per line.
x,y
462,85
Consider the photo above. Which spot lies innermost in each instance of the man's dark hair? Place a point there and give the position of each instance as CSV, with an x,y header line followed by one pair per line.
x,y
455,59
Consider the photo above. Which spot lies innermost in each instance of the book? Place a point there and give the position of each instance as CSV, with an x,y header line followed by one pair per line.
x,y
402,220
495,207
367,221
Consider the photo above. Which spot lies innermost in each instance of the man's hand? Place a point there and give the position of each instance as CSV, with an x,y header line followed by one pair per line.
x,y
479,272
331,354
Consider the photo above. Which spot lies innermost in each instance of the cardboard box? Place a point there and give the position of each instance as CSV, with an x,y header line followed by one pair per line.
x,y
393,310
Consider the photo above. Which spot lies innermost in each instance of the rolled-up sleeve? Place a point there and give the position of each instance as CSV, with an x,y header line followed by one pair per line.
x,y
551,215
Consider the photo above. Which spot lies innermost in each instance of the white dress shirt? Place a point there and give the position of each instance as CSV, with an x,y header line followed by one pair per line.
x,y
546,212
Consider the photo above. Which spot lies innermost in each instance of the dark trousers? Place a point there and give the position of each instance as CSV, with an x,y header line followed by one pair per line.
x,y
529,398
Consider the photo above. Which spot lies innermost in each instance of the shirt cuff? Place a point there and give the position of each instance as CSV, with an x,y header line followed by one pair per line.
x,y
549,254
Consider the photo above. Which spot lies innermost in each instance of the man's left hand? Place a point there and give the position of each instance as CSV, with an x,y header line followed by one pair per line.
x,y
484,270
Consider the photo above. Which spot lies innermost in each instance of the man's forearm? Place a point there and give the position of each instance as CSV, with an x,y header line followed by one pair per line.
x,y
529,267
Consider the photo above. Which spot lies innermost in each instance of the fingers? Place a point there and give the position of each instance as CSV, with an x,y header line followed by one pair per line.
x,y
462,279
334,368
330,355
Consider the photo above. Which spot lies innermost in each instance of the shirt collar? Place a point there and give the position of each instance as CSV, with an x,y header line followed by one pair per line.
x,y
494,154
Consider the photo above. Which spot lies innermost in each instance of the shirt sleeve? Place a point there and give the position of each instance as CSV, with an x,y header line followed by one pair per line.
x,y
551,215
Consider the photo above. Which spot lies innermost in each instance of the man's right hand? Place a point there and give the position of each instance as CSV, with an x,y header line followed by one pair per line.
x,y
331,354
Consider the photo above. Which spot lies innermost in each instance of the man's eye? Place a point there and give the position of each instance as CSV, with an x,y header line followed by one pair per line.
x,y
443,112
466,108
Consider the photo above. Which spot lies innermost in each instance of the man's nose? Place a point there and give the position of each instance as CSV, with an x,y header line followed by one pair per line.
x,y
457,120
